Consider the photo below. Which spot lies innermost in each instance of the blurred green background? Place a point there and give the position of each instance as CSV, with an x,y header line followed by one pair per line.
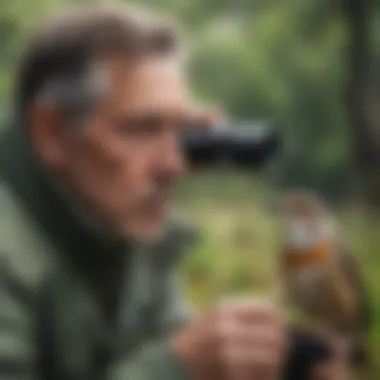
x,y
311,66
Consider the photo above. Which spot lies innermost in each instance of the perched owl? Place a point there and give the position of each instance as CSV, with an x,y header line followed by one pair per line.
x,y
321,277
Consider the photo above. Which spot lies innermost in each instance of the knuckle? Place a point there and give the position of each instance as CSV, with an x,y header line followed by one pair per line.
x,y
273,314
223,328
273,336
265,358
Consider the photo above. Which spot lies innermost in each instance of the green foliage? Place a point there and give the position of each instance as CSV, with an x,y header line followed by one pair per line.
x,y
281,59
18,18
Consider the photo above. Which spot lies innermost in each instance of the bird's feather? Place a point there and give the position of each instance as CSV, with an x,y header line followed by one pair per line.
x,y
351,268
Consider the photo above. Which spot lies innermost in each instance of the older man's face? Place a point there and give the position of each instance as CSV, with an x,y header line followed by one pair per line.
x,y
125,163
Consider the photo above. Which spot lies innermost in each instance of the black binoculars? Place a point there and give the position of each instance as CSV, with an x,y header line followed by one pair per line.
x,y
241,145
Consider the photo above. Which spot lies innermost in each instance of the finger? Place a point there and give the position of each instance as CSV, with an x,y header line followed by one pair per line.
x,y
214,116
246,335
238,355
250,311
258,362
235,334
205,119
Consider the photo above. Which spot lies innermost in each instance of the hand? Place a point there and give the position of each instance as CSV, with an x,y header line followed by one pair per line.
x,y
234,342
337,367
205,118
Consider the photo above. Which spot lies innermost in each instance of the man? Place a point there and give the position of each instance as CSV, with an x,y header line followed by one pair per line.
x,y
88,284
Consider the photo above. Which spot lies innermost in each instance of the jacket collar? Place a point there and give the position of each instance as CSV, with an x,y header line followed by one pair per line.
x,y
62,218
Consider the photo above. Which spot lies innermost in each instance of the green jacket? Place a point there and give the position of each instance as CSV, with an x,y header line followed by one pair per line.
x,y
74,305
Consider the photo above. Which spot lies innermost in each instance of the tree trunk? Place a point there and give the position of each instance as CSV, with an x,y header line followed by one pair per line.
x,y
363,101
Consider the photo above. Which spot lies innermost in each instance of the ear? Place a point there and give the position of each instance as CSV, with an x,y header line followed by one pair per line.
x,y
46,132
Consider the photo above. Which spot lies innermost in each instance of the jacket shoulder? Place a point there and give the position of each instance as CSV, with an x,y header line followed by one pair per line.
x,y
23,249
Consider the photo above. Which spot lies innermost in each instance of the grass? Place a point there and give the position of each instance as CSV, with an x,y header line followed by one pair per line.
x,y
238,252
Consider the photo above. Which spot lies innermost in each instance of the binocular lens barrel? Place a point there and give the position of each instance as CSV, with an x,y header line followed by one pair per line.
x,y
249,146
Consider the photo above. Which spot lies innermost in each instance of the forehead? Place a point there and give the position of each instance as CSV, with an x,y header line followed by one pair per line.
x,y
153,84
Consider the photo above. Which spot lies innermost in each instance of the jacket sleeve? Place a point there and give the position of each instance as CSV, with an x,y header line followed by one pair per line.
x,y
157,360
17,346
18,351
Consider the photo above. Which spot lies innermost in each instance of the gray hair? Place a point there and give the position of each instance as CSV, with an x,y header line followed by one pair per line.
x,y
58,63
75,94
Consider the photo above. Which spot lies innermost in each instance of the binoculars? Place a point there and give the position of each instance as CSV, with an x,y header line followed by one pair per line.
x,y
242,145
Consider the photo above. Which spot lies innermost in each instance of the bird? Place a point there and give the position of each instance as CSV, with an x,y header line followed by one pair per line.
x,y
320,275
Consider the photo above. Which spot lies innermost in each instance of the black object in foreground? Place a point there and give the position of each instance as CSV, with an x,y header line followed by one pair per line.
x,y
306,351
248,145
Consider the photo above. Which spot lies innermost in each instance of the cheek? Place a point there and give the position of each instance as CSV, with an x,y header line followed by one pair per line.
x,y
129,170
108,174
